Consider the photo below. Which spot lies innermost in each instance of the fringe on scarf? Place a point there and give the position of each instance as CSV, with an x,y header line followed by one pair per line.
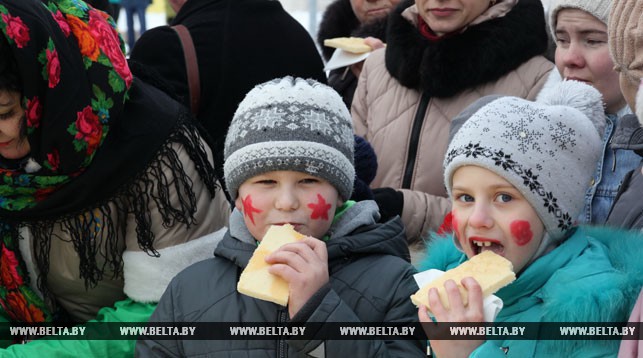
x,y
100,227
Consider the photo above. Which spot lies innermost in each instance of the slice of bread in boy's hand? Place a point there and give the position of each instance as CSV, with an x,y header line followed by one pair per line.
x,y
255,280
350,44
491,270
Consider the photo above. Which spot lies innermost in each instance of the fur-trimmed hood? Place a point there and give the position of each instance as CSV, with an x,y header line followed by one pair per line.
x,y
594,276
481,54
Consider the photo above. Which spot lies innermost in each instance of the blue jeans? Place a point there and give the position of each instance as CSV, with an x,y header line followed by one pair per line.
x,y
138,9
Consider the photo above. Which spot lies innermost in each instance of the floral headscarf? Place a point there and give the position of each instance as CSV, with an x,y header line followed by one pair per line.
x,y
67,117
75,80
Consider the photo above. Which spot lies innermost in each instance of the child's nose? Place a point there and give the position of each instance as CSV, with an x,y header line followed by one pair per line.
x,y
287,201
481,216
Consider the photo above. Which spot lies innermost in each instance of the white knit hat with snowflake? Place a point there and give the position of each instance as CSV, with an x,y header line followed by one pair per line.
x,y
291,124
548,150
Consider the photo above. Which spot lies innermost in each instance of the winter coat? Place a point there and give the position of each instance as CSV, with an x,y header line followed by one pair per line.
x,y
366,260
499,56
593,276
239,44
627,211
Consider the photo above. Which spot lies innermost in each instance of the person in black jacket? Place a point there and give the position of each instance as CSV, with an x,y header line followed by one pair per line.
x,y
239,44
344,18
289,160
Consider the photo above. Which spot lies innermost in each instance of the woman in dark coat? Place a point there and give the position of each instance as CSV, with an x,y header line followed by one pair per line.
x,y
239,44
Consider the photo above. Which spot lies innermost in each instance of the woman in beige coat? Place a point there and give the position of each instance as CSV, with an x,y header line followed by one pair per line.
x,y
440,57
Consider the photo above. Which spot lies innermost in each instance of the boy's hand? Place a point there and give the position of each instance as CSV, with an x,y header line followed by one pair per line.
x,y
457,312
304,265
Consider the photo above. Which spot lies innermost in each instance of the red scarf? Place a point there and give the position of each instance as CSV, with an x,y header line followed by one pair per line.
x,y
426,31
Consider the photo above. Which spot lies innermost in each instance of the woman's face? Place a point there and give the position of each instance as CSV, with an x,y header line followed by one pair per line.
x,y
369,10
582,54
446,16
12,116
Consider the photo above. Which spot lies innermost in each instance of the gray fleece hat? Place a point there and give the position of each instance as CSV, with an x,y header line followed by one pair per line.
x,y
548,150
291,124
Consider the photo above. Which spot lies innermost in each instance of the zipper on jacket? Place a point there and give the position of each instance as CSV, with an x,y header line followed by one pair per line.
x,y
414,141
282,351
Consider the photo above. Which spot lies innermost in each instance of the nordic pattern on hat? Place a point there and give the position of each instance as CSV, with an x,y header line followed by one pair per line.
x,y
291,124
548,152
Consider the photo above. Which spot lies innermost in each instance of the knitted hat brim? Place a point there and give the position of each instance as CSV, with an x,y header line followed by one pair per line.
x,y
312,158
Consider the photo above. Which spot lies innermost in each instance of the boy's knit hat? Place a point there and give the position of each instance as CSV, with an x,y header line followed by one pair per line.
x,y
625,35
548,150
600,9
291,124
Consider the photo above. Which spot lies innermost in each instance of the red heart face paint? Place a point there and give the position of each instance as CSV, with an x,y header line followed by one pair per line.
x,y
521,231
320,209
248,209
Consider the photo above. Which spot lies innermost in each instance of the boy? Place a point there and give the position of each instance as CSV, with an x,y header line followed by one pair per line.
x,y
289,159
516,172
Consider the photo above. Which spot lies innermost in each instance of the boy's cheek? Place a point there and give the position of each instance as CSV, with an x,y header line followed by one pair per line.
x,y
320,208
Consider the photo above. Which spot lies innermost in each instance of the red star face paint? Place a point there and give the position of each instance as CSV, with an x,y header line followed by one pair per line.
x,y
248,209
521,232
320,209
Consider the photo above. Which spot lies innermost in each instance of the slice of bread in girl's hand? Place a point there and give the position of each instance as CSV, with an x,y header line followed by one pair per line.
x,y
255,280
491,270
349,44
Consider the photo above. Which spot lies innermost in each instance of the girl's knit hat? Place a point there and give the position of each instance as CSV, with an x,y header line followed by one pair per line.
x,y
548,150
291,124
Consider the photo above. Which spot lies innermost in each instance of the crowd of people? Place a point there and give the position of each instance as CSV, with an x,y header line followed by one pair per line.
x,y
125,200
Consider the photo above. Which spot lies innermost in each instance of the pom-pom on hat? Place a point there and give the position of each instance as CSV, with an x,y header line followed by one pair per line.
x,y
548,150
291,124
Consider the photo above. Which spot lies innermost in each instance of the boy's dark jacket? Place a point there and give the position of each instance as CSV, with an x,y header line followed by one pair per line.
x,y
593,276
370,281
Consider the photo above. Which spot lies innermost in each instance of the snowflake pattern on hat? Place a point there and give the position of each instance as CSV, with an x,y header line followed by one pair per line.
x,y
548,152
291,124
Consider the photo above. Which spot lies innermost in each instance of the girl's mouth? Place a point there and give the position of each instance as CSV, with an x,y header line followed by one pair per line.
x,y
480,244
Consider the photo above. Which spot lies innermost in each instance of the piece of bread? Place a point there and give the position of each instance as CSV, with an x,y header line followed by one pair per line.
x,y
255,280
350,44
491,270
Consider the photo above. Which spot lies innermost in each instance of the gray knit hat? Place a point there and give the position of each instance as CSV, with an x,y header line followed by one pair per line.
x,y
600,9
291,124
548,150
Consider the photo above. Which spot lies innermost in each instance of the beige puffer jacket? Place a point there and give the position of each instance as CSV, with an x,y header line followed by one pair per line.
x,y
383,113
384,110
145,277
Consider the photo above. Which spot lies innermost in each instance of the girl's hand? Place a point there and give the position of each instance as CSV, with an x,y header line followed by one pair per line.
x,y
457,312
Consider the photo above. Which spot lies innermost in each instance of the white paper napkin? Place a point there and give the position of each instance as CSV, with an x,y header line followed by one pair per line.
x,y
341,58
491,305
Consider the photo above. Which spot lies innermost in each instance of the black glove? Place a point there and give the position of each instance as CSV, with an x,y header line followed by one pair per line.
x,y
390,201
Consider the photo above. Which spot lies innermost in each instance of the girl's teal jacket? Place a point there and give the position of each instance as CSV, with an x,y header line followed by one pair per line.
x,y
593,276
